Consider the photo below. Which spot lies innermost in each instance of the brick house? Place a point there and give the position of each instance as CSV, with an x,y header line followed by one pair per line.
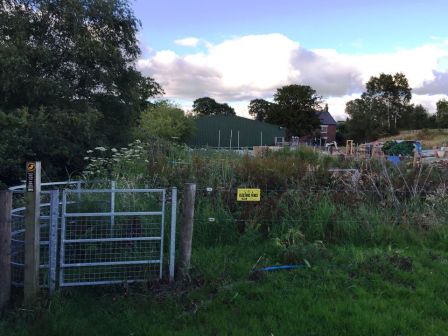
x,y
327,125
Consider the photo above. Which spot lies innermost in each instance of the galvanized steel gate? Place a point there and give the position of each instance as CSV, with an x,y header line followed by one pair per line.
x,y
49,221
101,236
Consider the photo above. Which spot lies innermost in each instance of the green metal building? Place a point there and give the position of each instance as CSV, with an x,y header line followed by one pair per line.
x,y
234,132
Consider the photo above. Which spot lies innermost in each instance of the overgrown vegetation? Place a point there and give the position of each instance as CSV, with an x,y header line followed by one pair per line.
x,y
429,137
372,246
369,239
165,120
301,191
398,148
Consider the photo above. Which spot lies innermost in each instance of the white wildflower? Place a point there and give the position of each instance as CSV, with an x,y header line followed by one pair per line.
x,y
113,150
101,149
86,157
90,151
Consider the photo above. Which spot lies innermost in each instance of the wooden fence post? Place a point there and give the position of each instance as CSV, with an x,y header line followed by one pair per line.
x,y
32,232
5,247
186,231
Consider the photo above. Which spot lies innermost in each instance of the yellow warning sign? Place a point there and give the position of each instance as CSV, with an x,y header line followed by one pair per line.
x,y
248,195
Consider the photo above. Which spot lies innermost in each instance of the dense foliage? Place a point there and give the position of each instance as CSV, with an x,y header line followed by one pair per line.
x,y
165,120
206,106
398,148
294,108
442,113
68,81
384,109
261,109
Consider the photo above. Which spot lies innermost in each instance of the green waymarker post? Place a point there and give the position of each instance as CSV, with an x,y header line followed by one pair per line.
x,y
32,231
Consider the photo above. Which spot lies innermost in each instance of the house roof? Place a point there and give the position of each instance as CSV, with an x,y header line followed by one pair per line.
x,y
326,118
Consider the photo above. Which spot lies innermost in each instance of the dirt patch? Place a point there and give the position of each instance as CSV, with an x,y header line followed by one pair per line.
x,y
401,262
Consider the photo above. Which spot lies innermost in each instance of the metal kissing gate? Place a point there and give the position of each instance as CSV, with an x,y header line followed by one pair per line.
x,y
100,236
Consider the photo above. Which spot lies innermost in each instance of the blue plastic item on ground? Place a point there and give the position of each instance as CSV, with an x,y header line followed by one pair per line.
x,y
418,147
394,159
282,267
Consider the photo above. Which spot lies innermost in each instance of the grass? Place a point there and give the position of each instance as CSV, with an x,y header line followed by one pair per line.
x,y
348,290
430,137
374,255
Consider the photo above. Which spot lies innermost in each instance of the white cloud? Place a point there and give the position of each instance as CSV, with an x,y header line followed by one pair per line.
x,y
188,42
336,105
417,64
243,68
438,85
255,61
428,101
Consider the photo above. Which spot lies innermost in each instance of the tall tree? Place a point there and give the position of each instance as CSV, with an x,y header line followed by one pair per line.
x,y
393,92
57,52
442,113
70,65
295,109
417,117
208,106
260,109
382,109
363,123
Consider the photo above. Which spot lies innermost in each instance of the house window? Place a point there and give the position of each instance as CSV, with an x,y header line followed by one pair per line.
x,y
323,129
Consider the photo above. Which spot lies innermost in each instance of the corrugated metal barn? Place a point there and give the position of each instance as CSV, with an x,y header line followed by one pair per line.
x,y
234,132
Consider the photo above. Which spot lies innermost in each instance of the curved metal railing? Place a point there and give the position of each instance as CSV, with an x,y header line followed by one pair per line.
x,y
48,226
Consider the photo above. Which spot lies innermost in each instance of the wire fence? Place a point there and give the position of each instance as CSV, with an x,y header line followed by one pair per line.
x,y
94,253
117,235
111,236
317,214
96,236
18,239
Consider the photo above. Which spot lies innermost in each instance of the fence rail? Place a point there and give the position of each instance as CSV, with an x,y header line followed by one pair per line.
x,y
96,236
49,228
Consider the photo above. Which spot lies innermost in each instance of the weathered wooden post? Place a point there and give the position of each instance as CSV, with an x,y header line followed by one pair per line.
x,y
32,231
186,231
5,247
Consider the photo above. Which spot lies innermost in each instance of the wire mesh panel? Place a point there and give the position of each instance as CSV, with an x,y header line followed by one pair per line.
x,y
17,246
48,237
111,236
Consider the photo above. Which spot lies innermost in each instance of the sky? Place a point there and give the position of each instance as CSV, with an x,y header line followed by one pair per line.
x,y
236,51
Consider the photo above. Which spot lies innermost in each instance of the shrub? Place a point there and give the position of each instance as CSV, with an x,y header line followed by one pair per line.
x,y
404,148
